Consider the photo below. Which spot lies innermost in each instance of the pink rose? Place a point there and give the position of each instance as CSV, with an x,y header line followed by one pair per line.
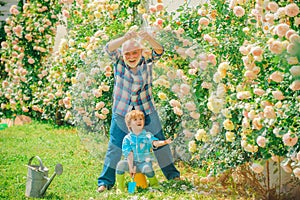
x,y
292,49
190,52
295,85
175,103
159,6
25,109
4,45
206,85
212,59
203,56
159,21
190,106
289,33
175,88
294,38
194,64
31,61
256,70
244,50
259,91
18,30
276,47
243,95
256,123
297,21
97,93
250,75
66,13
207,38
104,111
82,55
265,103
257,51
239,11
269,17
269,112
261,141
292,60
288,140
203,65
195,115
272,6
278,95
185,89
292,10
13,10
192,71
282,29
245,123
276,76
295,71
152,9
203,21
187,133
5,84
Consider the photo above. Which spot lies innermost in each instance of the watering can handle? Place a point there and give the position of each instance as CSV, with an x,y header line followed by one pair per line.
x,y
37,157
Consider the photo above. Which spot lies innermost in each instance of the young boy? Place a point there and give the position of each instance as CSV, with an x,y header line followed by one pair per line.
x,y
136,150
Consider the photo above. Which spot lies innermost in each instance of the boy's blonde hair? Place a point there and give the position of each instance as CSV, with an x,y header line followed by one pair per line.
x,y
132,115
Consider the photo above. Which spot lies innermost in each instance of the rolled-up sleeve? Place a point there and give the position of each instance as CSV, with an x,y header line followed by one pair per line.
x,y
156,56
112,54
126,148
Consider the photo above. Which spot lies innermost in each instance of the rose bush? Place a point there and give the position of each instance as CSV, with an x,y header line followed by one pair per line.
x,y
227,85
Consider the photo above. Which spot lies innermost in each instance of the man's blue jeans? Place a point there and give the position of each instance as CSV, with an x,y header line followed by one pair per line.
x,y
118,130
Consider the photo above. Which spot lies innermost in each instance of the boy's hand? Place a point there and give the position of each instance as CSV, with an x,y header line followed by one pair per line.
x,y
132,171
168,141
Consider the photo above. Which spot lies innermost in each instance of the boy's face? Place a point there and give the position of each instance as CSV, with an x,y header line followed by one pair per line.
x,y
137,124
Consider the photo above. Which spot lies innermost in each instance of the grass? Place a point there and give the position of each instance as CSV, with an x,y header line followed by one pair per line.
x,y
82,164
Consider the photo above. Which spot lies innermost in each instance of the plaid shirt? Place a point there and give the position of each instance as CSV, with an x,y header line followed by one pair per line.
x,y
132,90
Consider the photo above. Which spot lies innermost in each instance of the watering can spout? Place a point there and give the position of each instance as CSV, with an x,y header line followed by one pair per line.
x,y
58,171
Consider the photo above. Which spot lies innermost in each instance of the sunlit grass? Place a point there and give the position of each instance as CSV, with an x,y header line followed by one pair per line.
x,y
81,167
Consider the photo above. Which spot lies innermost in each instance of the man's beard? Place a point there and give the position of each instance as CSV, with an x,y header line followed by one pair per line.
x,y
133,64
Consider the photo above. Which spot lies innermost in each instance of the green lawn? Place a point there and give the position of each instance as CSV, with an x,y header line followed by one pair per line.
x,y
82,163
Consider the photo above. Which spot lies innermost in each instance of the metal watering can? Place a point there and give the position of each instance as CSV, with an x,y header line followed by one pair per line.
x,y
37,178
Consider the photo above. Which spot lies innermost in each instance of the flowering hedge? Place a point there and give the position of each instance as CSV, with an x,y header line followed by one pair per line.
x,y
227,86
30,32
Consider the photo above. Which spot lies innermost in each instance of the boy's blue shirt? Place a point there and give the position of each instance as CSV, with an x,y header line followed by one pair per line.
x,y
140,145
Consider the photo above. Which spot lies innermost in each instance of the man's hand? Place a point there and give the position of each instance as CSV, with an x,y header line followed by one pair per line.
x,y
130,34
144,35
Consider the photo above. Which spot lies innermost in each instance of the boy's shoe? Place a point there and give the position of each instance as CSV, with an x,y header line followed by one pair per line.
x,y
153,182
120,180
101,188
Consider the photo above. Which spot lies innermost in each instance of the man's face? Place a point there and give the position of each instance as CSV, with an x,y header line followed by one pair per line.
x,y
132,53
